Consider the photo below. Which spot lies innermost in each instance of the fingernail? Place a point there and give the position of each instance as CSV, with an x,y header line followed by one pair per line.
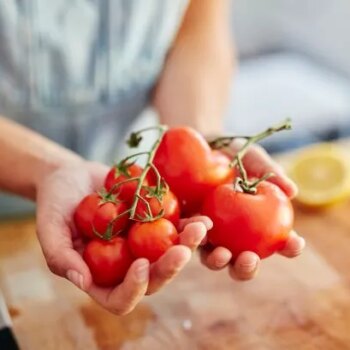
x,y
220,262
197,240
142,272
76,278
302,243
249,267
301,246
208,223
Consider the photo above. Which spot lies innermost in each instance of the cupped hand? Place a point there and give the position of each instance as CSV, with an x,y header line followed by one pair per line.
x,y
57,196
257,163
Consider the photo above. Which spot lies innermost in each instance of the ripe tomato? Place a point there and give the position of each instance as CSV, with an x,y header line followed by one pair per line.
x,y
260,223
151,240
190,167
94,211
121,173
108,261
168,203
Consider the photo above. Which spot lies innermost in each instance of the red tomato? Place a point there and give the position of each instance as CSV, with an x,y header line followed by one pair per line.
x,y
260,223
94,212
190,167
117,175
168,203
108,261
151,240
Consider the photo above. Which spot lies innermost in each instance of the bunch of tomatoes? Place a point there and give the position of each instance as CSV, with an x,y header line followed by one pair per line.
x,y
137,212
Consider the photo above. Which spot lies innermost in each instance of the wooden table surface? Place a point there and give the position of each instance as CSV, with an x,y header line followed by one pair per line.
x,y
293,304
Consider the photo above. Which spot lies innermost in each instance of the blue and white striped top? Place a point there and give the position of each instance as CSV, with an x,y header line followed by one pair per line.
x,y
78,69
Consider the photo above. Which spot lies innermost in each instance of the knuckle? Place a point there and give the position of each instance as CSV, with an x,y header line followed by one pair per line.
x,y
169,273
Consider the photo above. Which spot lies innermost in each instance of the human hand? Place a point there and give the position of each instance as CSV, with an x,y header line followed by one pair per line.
x,y
257,163
58,194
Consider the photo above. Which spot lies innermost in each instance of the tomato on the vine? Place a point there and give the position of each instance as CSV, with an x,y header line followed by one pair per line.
x,y
97,213
259,222
120,173
151,240
190,167
108,261
166,202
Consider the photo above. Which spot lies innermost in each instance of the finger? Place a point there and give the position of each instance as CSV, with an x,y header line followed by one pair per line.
x,y
258,163
216,259
193,235
122,299
200,218
245,267
294,246
167,267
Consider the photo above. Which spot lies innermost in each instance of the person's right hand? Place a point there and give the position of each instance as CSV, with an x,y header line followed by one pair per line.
x,y
58,193
257,163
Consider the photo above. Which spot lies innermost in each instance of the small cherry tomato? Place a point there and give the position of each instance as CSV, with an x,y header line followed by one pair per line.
x,y
121,173
259,222
151,240
97,212
108,261
167,202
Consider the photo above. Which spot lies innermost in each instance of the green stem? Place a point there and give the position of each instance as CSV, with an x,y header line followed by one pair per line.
x,y
286,125
159,178
135,137
244,183
108,235
148,166
242,170
134,155
224,141
149,128
263,178
148,207
117,185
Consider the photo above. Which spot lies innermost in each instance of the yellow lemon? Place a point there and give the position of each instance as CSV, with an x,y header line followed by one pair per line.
x,y
322,173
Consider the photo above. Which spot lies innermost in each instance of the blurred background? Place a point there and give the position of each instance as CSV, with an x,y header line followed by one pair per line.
x,y
294,61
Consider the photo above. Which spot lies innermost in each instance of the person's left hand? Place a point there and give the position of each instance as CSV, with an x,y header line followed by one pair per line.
x,y
58,194
257,163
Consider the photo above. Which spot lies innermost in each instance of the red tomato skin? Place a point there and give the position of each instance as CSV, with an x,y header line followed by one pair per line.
x,y
92,213
84,214
126,191
151,240
190,167
169,204
259,223
108,261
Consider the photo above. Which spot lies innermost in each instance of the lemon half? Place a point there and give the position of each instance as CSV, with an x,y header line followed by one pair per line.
x,y
322,173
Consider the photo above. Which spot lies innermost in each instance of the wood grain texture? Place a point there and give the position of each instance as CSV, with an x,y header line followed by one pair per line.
x,y
302,303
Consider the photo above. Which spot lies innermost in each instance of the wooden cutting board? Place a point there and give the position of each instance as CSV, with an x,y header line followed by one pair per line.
x,y
302,303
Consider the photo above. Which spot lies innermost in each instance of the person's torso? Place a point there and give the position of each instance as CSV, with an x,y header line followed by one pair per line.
x,y
71,65
79,71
